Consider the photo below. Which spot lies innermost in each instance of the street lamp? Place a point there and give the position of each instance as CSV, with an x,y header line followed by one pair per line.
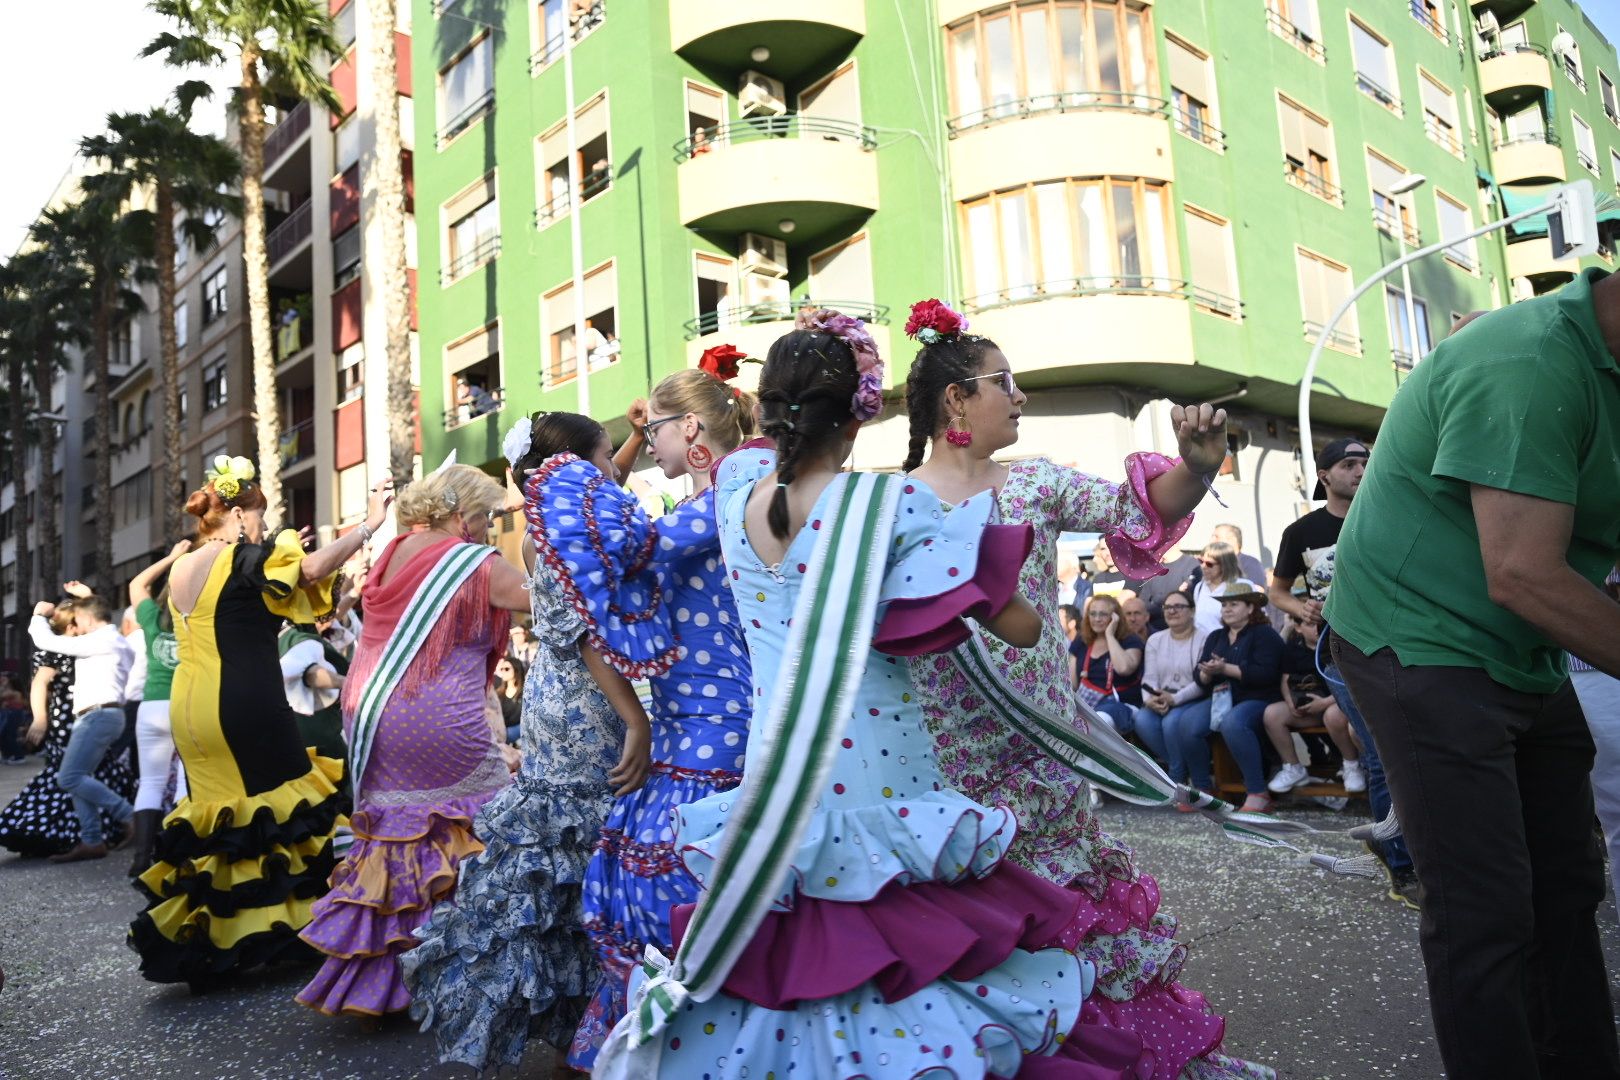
x,y
582,359
1405,186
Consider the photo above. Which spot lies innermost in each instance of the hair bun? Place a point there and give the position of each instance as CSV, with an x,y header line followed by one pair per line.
x,y
197,504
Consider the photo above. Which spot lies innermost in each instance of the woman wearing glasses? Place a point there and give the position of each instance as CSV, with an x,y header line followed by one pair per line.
x,y
1170,687
1220,565
964,407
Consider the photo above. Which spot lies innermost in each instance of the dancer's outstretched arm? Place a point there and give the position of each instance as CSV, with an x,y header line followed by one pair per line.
x,y
1201,437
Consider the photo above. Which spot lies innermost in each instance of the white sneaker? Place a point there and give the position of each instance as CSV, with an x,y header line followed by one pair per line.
x,y
1288,778
1355,777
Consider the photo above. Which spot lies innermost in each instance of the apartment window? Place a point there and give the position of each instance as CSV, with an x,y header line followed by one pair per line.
x,y
473,229
1192,92
1468,113
182,246
1051,54
146,412
1399,339
346,256
1611,104
132,499
1585,143
841,275
601,325
466,89
1439,113
1456,220
1068,237
1308,151
715,277
550,24
1614,168
1211,263
346,142
1529,124
216,300
1323,285
343,23
351,372
1375,66
593,159
472,368
1571,62
1299,23
1427,12
214,388
1393,214
181,325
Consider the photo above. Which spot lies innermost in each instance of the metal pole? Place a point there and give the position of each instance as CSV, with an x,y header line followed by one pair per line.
x,y
1307,449
1411,308
582,360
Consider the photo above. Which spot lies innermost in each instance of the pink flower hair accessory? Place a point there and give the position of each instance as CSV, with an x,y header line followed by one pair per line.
x,y
933,319
867,401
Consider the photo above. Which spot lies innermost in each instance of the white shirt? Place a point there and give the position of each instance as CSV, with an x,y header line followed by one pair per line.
x,y
135,685
1206,610
102,661
306,700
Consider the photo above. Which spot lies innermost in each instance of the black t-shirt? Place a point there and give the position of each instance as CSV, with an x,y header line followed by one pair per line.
x,y
1307,548
1096,668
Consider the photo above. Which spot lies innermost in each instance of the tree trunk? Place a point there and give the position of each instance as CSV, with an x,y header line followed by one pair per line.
x,y
171,488
106,295
386,180
23,567
266,411
46,500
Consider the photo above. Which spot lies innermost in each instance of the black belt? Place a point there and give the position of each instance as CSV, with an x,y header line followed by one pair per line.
x,y
94,708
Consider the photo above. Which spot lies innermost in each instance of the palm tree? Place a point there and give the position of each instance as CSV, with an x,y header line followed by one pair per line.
x,y
278,44
13,343
386,180
187,174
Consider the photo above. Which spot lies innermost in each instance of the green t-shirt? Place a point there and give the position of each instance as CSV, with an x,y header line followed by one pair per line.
x,y
162,652
1527,400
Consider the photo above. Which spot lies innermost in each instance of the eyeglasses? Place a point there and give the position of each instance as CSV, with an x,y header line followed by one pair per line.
x,y
1177,607
1008,387
648,429
1208,563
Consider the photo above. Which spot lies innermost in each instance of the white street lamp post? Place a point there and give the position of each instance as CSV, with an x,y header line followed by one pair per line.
x,y
582,359
1408,184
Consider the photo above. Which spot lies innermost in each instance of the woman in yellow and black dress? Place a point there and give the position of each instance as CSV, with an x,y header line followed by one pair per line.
x,y
242,859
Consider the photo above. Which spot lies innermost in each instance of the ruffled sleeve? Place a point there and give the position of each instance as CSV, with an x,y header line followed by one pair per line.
x,y
1136,536
276,572
596,541
944,568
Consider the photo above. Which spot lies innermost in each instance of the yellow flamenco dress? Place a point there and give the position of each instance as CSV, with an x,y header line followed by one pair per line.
x,y
241,861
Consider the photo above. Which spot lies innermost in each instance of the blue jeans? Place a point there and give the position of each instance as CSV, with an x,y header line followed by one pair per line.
x,y
1123,715
93,735
1394,851
1244,731
1163,738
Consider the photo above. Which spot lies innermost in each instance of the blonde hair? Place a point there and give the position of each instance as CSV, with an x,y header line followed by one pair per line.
x,y
460,489
727,412
1226,557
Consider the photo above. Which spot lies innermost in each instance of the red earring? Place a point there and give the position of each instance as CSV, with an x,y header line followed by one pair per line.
x,y
956,436
699,458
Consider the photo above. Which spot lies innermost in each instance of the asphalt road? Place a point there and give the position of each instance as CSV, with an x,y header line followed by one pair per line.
x,y
1319,977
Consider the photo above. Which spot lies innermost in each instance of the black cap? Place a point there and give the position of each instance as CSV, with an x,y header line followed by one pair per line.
x,y
1333,453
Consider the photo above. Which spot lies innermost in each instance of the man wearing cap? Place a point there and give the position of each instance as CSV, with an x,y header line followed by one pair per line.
x,y
1470,560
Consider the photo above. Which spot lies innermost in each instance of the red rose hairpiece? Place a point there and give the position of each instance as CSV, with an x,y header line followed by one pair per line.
x,y
931,320
721,361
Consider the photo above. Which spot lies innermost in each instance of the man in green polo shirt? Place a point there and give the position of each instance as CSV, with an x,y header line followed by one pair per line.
x,y
1471,559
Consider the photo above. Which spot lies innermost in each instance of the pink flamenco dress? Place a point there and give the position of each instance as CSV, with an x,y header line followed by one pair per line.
x,y
1131,944
434,763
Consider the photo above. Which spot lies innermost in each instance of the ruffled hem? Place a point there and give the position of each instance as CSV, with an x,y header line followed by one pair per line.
x,y
852,855
278,575
226,887
1139,550
1175,1026
197,958
246,827
913,627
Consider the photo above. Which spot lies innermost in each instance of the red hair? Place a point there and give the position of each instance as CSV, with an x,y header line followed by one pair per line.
x,y
211,510
1087,634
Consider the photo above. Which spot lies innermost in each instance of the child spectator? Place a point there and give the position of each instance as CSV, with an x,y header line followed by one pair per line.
x,y
1307,702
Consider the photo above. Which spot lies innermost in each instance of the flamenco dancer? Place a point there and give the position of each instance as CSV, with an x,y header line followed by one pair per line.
x,y
40,821
242,859
509,957
700,704
862,920
425,756
964,405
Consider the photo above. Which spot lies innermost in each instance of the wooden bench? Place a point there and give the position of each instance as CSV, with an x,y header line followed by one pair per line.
x,y
1229,778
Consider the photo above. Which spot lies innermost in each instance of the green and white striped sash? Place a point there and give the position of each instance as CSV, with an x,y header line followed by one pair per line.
x,y
427,604
790,754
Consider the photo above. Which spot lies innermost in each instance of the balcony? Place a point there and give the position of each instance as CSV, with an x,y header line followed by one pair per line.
x,y
1313,182
801,37
1529,158
1296,37
475,407
466,118
1338,340
1082,133
486,250
286,238
297,444
1442,134
750,175
755,328
284,137
295,332
551,49
1379,93
1389,225
1513,76
590,187
1532,258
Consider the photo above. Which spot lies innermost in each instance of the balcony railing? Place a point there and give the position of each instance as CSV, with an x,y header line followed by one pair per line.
x,y
791,125
552,48
297,443
1609,111
1195,126
1427,21
1587,160
1068,101
1313,182
1389,225
1336,339
1547,135
1379,93
1401,358
779,311
1123,285
1442,133
293,335
467,412
1464,258
281,138
1216,303
1510,48
487,249
1574,72
590,187
467,117
1296,37
286,237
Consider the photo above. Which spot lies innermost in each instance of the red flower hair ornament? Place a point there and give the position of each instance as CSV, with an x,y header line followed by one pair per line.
x,y
721,361
931,320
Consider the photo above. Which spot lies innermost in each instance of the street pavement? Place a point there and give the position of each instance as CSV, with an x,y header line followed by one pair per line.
x,y
1319,977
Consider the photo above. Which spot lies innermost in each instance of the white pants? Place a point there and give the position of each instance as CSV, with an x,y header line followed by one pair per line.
x,y
154,743
1600,701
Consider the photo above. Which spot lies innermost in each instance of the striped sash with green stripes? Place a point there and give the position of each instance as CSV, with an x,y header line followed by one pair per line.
x,y
431,598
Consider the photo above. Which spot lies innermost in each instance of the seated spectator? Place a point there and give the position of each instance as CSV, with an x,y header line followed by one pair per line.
x,y
1180,570
1220,565
1307,701
509,675
1241,665
1137,620
1069,619
1248,565
1170,689
1105,663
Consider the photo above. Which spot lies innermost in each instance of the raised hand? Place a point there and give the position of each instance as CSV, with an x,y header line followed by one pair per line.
x,y
78,590
179,549
637,414
1201,436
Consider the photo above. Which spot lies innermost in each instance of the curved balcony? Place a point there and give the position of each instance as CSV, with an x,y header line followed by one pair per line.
x,y
753,329
751,175
1082,133
1514,75
1532,258
801,36
1532,158
1128,321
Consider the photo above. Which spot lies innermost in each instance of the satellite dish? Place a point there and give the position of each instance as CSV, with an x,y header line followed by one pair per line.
x,y
1563,43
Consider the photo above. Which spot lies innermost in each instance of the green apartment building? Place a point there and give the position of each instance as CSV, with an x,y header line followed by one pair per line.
x,y
1139,201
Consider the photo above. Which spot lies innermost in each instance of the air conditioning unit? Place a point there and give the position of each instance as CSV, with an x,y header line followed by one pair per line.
x,y
766,296
765,256
760,95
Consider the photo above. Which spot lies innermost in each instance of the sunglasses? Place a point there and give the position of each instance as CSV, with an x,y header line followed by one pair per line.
x,y
1008,386
1210,563
648,429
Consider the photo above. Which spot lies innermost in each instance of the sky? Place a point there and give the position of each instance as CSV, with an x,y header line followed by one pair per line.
x,y
56,95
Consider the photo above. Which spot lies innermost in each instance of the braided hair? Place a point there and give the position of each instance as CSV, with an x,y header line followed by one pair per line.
x,y
952,358
805,392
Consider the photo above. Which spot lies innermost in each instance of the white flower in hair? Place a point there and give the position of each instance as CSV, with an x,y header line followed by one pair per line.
x,y
516,444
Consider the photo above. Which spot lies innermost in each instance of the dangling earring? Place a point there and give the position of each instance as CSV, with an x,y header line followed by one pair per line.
x,y
241,533
962,436
699,457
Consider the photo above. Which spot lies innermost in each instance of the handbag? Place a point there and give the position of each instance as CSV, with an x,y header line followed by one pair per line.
x,y
1090,692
